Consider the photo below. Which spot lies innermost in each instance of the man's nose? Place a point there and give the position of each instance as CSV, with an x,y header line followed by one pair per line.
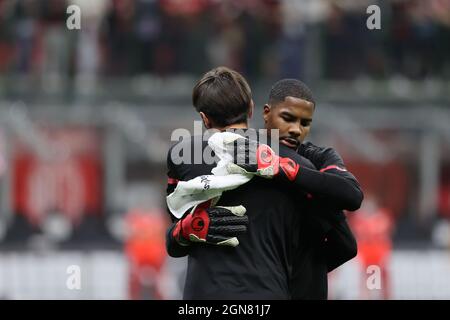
x,y
295,130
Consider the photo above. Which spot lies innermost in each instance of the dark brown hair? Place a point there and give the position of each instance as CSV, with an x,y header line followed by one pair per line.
x,y
290,88
224,96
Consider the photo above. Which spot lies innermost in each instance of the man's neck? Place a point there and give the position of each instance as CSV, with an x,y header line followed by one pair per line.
x,y
235,126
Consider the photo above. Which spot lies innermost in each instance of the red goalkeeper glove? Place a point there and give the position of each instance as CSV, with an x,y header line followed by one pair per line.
x,y
215,225
249,156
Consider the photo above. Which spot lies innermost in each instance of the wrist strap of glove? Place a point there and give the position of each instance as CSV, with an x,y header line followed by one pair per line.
x,y
289,167
177,234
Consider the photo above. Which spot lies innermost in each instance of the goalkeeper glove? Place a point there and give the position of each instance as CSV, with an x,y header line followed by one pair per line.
x,y
215,225
249,156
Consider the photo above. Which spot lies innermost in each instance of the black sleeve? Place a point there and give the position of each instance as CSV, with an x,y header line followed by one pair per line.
x,y
332,182
342,192
340,245
330,231
174,249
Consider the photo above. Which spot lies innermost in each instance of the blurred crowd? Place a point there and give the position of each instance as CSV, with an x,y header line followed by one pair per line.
x,y
312,39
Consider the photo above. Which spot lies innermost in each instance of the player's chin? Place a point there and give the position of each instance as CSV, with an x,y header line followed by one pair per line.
x,y
290,144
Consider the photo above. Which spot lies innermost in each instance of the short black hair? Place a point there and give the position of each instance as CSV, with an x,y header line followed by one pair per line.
x,y
223,95
289,88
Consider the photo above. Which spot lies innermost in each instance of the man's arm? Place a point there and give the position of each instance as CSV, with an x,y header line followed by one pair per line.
x,y
340,245
343,192
173,247
330,163
333,235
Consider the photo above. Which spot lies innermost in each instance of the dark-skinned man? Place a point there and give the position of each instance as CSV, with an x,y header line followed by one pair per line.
x,y
326,239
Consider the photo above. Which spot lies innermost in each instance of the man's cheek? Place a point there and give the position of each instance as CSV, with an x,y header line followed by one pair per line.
x,y
281,127
305,134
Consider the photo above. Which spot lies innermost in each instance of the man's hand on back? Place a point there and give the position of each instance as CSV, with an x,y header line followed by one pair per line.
x,y
249,156
213,225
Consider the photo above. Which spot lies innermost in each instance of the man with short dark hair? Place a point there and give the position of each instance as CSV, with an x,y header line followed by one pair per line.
x,y
326,239
219,110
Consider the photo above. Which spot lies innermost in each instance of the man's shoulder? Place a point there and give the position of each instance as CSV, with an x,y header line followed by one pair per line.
x,y
186,146
187,141
292,154
320,156
311,147
190,157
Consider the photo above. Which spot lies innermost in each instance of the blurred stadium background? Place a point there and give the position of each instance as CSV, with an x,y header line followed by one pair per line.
x,y
86,118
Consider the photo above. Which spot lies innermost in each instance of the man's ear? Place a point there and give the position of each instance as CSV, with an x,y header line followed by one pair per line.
x,y
206,121
266,112
251,109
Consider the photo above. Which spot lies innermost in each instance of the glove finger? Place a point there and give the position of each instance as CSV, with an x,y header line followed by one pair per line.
x,y
194,238
223,241
241,147
223,211
232,139
231,242
228,220
235,169
267,172
227,230
239,153
246,151
241,159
